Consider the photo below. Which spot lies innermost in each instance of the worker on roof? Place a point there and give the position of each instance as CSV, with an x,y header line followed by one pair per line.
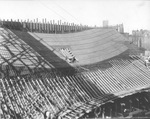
x,y
48,115
149,58
147,61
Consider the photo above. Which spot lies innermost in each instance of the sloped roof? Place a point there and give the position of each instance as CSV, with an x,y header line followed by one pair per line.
x,y
88,47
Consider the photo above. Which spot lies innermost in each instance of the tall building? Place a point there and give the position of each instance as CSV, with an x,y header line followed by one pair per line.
x,y
141,38
121,28
105,23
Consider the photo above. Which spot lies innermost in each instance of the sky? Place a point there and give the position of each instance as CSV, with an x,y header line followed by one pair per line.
x,y
134,14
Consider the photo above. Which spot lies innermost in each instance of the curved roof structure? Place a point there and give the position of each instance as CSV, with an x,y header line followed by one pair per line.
x,y
90,46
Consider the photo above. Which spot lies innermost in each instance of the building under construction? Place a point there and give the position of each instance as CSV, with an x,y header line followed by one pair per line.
x,y
70,72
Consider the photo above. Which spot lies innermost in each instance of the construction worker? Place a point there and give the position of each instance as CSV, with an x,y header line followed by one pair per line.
x,y
147,61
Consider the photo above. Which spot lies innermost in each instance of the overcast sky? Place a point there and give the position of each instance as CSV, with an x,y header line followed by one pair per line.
x,y
134,14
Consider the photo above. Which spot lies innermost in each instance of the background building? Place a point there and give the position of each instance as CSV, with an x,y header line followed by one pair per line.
x,y
141,38
105,23
118,27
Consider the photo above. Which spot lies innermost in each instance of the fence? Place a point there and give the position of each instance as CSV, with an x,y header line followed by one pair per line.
x,y
44,26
